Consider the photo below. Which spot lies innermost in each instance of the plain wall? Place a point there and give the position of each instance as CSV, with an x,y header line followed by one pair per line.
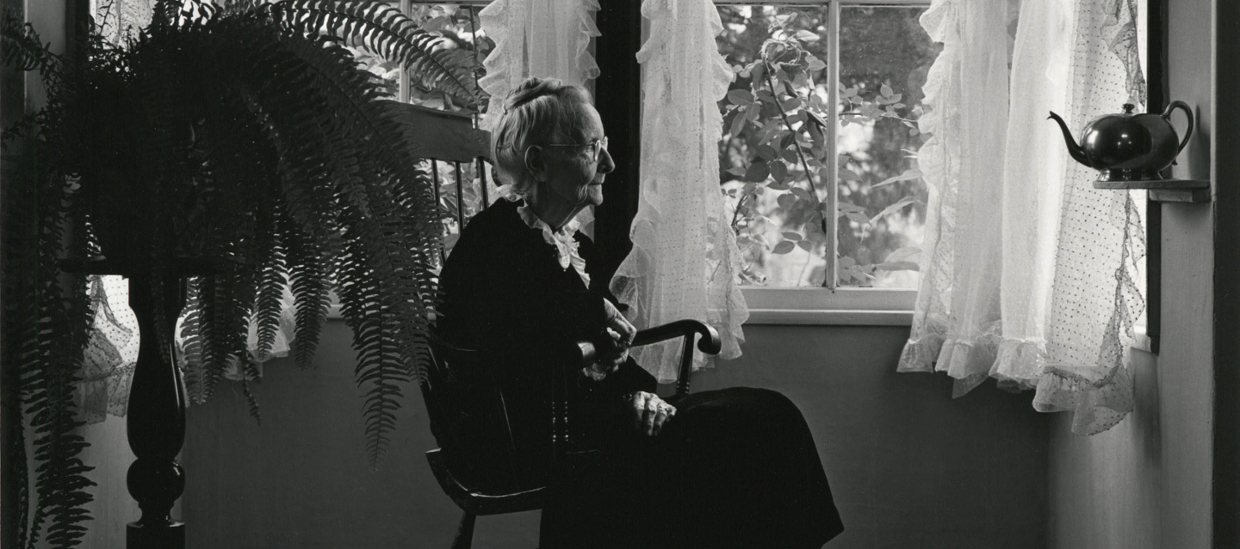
x,y
909,466
1146,483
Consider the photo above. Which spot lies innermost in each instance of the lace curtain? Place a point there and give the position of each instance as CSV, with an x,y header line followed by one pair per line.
x,y
1030,275
684,259
111,352
542,38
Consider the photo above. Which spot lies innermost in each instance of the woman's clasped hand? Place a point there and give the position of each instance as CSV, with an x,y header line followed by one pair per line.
x,y
612,344
649,412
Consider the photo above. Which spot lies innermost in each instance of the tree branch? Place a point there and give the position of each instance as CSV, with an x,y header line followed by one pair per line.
x,y
800,152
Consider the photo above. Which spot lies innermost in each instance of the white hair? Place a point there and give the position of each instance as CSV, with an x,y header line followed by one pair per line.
x,y
537,112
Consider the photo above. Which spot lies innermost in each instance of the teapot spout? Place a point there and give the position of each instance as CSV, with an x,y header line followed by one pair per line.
x,y
1074,149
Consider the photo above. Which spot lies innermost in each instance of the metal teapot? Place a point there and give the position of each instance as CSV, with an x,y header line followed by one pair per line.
x,y
1128,146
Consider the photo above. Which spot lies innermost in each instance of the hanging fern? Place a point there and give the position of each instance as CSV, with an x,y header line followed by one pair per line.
x,y
383,30
246,133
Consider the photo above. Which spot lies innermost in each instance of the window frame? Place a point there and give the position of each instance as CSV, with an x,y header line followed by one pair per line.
x,y
832,304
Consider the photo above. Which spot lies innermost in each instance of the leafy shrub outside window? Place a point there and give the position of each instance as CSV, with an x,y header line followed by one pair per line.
x,y
776,164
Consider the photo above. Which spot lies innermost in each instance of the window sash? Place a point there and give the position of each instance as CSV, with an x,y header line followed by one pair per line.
x,y
831,253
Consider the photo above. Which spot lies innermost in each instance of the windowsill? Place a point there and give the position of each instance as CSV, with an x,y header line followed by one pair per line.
x,y
828,317
847,307
822,307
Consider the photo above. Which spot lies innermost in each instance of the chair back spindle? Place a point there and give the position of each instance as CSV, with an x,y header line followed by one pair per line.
x,y
482,182
460,197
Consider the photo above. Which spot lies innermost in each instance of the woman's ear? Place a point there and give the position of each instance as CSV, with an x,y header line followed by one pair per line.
x,y
536,162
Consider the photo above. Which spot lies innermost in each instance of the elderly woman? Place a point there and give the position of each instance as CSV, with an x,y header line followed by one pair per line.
x,y
730,468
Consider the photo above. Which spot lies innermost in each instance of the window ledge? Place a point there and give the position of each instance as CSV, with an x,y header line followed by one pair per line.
x,y
829,317
823,307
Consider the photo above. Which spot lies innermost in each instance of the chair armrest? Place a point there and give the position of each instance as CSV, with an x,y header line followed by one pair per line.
x,y
709,343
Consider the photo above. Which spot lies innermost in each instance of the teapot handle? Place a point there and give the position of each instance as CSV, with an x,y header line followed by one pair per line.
x,y
1188,112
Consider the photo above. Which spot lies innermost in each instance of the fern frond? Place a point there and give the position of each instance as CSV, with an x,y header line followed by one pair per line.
x,y
308,273
272,279
384,31
380,370
225,324
191,329
249,373
383,200
46,327
17,453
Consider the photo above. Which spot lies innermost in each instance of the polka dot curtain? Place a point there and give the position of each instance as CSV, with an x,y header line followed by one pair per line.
x,y
1029,274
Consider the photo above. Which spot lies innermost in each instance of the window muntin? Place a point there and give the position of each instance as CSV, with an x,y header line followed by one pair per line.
x,y
870,186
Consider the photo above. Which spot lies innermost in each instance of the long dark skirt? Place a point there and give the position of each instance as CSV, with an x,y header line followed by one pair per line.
x,y
734,468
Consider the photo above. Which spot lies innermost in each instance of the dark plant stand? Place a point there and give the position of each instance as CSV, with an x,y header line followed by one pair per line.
x,y
156,426
155,420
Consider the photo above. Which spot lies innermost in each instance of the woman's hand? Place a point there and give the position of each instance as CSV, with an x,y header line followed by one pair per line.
x,y
622,329
650,412
611,353
612,345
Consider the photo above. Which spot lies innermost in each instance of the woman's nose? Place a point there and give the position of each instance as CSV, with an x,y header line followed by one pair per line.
x,y
606,164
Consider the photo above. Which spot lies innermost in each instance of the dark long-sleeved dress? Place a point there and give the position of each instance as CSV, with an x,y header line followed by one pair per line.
x,y
733,468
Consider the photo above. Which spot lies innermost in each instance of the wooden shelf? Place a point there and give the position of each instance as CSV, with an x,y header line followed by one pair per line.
x,y
1164,190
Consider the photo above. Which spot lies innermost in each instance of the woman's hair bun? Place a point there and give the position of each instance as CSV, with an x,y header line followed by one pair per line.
x,y
531,89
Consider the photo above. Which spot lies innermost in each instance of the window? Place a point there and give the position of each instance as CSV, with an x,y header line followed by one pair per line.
x,y
820,136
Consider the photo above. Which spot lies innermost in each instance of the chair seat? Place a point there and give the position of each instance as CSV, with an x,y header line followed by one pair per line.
x,y
479,503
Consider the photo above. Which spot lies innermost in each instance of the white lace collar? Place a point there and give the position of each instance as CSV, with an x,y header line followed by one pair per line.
x,y
565,245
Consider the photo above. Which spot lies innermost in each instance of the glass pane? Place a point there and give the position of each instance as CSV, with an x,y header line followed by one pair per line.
x,y
773,136
774,149
884,57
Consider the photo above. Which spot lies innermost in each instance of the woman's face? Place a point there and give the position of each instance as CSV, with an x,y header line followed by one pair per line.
x,y
573,176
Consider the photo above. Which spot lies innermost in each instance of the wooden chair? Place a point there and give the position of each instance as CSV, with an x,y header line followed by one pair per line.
x,y
447,137
522,493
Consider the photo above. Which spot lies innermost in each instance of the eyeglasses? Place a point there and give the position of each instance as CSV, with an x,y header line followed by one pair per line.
x,y
596,146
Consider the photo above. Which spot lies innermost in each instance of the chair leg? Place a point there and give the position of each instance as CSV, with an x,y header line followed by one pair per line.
x,y
465,532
